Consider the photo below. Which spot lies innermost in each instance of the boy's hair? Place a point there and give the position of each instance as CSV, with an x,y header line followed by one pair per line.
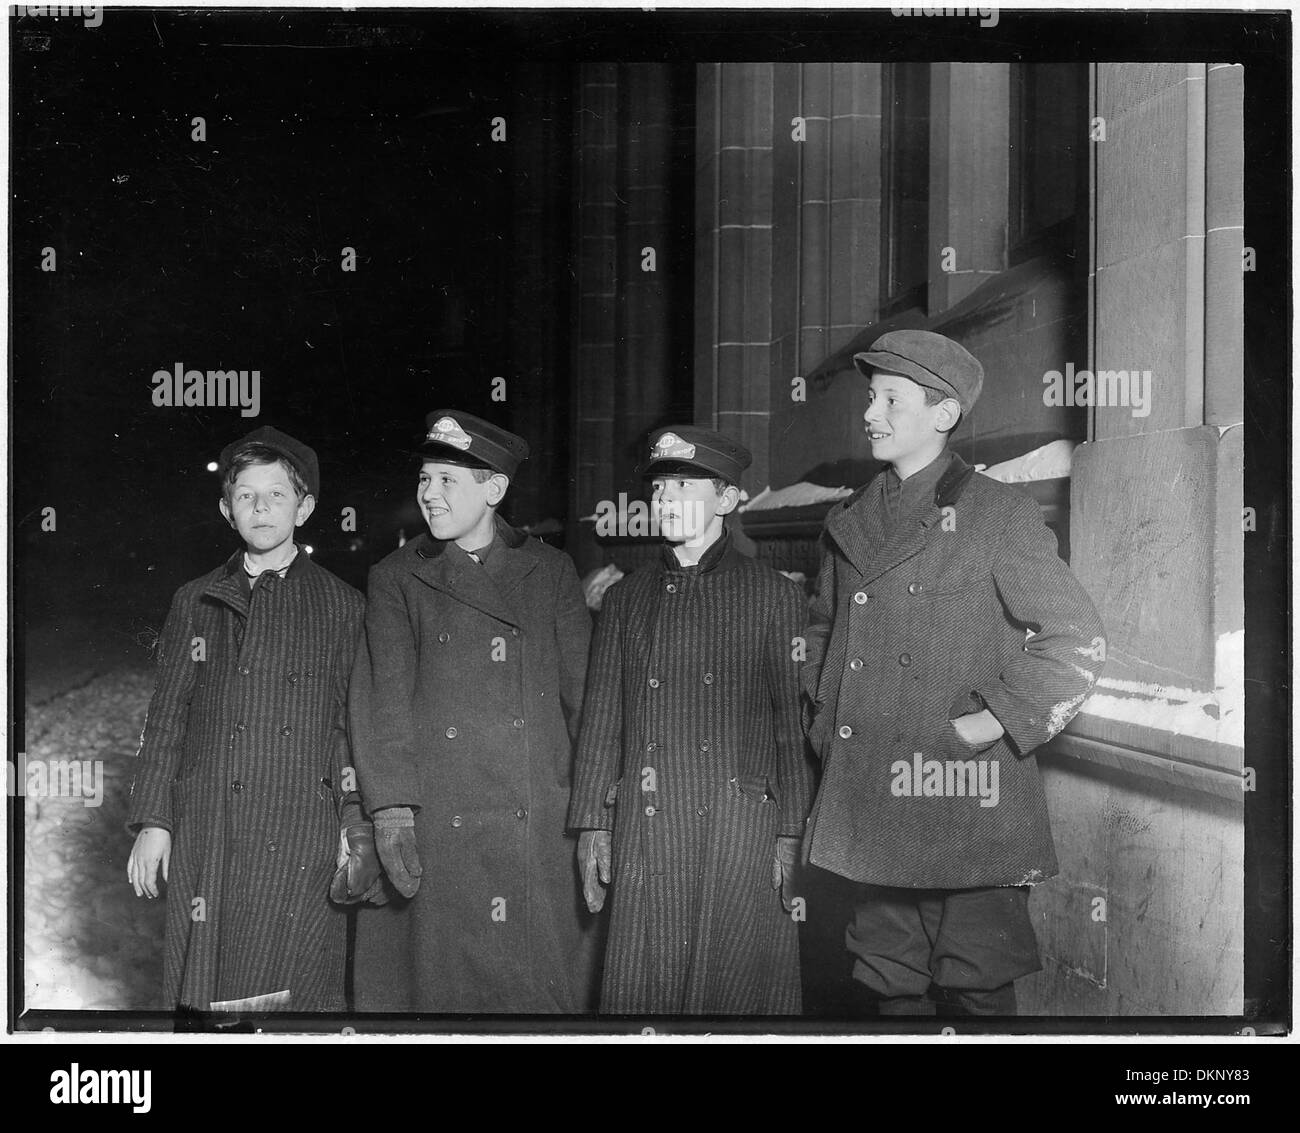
x,y
933,397
721,484
261,454
482,475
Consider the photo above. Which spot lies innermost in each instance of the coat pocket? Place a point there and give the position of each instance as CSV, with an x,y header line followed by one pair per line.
x,y
757,788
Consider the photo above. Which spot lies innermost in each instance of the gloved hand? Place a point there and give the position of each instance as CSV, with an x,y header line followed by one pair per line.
x,y
395,840
358,877
784,865
593,866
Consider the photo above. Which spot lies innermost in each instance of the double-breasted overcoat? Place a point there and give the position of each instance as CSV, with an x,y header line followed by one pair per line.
x,y
242,758
692,753
963,605
467,683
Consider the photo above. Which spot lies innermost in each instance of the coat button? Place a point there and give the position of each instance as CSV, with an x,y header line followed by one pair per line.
x,y
904,659
704,745
654,682
652,746
456,821
444,637
649,812
286,731
518,722
671,588
244,670
236,786
708,678
271,846
451,733
514,633
860,597
856,664
241,726
915,588
292,678
845,731
521,813
702,809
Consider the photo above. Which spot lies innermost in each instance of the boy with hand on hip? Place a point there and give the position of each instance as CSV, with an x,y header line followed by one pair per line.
x,y
948,641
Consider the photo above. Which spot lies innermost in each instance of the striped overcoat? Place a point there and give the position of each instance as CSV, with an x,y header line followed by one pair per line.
x,y
242,758
963,605
691,752
467,682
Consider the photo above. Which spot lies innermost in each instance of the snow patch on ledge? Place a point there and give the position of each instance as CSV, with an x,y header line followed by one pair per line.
x,y
1217,716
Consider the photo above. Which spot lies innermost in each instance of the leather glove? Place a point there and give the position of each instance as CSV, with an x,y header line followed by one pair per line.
x,y
395,840
359,876
784,865
593,866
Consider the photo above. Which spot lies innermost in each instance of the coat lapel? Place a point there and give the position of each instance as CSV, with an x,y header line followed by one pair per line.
x,y
229,586
486,588
849,527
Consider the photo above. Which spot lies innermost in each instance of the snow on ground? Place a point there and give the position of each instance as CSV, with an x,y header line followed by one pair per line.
x,y
89,942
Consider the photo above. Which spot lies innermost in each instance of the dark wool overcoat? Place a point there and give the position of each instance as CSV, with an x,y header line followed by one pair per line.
x,y
692,753
964,604
467,682
242,758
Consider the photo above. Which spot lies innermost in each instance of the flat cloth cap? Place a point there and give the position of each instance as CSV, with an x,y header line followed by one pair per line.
x,y
929,359
301,456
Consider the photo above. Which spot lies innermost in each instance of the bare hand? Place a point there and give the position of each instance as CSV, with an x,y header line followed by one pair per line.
x,y
153,848
979,728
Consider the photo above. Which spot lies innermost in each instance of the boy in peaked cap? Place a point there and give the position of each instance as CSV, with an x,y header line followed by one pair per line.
x,y
242,786
692,785
948,641
467,684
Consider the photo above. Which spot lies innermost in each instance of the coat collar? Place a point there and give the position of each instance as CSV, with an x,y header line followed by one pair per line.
x,y
722,555
488,587
846,523
229,584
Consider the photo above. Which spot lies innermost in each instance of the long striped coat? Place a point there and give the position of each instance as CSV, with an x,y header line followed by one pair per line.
x,y
691,752
467,682
242,758
963,605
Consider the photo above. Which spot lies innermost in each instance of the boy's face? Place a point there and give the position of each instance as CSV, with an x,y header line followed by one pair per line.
x,y
453,503
264,507
899,424
687,508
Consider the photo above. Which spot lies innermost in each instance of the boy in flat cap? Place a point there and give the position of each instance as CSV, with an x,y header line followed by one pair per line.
x,y
948,642
692,784
244,760
466,687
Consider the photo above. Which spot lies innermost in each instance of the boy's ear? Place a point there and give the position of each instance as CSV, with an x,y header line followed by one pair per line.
x,y
949,413
305,508
225,511
728,500
497,483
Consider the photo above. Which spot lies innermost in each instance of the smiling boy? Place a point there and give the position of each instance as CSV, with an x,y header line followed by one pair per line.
x,y
947,642
467,684
692,785
239,800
